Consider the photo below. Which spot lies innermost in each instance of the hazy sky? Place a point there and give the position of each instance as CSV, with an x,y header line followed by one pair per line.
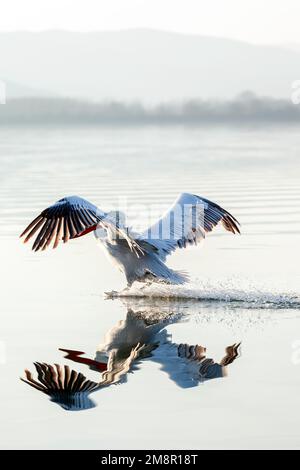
x,y
258,21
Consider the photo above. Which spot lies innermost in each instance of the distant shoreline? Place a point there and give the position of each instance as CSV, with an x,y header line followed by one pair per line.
x,y
245,109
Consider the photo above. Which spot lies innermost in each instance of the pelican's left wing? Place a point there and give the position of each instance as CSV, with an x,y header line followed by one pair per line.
x,y
70,217
186,223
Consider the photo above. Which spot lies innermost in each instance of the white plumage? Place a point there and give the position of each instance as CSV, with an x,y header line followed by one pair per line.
x,y
140,256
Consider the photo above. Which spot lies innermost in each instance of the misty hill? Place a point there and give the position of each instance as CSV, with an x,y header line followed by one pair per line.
x,y
146,65
246,108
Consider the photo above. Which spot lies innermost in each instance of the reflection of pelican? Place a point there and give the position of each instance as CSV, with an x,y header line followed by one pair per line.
x,y
141,257
141,335
144,326
144,331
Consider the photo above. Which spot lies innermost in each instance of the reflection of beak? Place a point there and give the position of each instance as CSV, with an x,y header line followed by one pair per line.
x,y
75,357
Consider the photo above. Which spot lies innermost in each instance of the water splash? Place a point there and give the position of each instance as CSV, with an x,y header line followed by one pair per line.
x,y
234,290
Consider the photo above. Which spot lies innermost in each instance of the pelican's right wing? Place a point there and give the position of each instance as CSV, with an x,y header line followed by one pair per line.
x,y
186,223
70,217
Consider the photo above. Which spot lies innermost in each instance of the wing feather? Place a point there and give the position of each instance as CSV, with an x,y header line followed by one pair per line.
x,y
35,228
53,233
68,218
71,228
59,232
38,240
66,231
186,223
31,225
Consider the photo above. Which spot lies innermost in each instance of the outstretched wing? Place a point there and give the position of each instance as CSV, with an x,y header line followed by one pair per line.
x,y
186,223
70,217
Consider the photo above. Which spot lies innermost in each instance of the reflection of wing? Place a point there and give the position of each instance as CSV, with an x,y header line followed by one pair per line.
x,y
69,217
186,223
208,368
68,388
187,365
51,378
232,352
194,353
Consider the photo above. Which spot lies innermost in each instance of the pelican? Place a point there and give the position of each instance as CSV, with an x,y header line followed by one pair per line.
x,y
140,256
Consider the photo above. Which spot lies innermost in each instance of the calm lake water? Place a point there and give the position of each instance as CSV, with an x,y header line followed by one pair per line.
x,y
173,384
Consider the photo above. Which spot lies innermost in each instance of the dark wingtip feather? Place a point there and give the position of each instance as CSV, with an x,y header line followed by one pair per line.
x,y
31,225
230,223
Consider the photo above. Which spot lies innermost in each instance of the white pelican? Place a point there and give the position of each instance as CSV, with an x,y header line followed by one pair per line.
x,y
140,256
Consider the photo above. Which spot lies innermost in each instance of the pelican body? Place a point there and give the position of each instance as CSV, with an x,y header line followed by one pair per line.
x,y
148,267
